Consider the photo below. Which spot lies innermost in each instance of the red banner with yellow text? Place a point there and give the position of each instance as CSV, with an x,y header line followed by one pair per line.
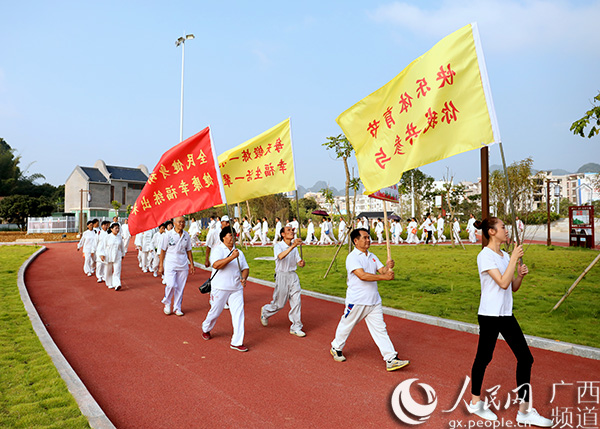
x,y
185,180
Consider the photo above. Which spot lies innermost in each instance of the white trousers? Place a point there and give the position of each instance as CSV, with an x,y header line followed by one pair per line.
x,y
113,273
146,260
373,315
257,235
235,300
88,262
379,238
441,236
310,238
324,239
155,262
246,236
472,237
126,244
100,269
287,287
175,283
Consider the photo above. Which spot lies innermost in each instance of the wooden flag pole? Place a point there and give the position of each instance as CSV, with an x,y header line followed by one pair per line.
x,y
233,235
510,198
298,219
387,232
576,282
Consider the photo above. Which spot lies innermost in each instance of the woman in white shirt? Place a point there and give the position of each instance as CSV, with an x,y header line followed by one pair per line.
x,y
498,282
112,254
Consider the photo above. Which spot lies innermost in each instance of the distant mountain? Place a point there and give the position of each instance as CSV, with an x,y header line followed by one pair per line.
x,y
590,167
560,172
321,184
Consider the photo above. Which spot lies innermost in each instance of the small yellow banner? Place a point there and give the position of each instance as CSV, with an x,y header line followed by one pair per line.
x,y
261,166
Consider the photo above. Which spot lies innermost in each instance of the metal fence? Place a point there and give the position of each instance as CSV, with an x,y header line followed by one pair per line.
x,y
51,224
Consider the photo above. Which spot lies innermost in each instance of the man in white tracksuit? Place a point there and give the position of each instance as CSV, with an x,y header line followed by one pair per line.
x,y
125,234
310,233
471,229
246,230
176,262
213,240
227,286
156,244
263,233
342,235
379,230
100,265
330,230
364,302
277,236
287,283
440,228
89,243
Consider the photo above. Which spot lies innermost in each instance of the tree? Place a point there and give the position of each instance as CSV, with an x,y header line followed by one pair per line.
x,y
421,184
343,149
593,116
521,186
116,205
17,208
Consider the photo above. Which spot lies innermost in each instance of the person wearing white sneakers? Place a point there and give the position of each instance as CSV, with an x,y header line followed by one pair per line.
x,y
364,302
88,243
176,262
287,283
498,282
111,254
228,285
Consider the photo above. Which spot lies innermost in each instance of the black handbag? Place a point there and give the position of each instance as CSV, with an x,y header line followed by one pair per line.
x,y
206,286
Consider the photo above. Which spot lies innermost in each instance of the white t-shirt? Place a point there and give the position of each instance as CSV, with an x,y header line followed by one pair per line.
x,y
176,247
495,301
290,262
360,292
228,277
440,224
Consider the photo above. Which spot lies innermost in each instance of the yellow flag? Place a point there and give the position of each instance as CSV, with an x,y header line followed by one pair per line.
x,y
261,166
437,107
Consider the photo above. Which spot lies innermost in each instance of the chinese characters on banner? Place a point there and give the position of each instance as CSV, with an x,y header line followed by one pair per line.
x,y
437,107
185,180
261,166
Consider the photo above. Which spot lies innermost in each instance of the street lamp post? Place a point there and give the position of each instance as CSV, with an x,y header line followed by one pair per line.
x,y
181,41
548,181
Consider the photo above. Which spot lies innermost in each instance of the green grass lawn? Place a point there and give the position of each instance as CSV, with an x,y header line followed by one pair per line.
x,y
442,281
32,394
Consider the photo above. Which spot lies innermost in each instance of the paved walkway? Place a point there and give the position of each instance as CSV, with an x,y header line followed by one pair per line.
x,y
149,370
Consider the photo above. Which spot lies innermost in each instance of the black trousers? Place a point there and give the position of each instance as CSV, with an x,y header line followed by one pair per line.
x,y
429,235
489,328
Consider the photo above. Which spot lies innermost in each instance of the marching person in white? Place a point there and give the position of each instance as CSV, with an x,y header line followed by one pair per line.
x,y
287,283
324,236
379,230
126,235
257,228
100,264
88,243
310,233
277,236
428,227
111,254
265,229
342,234
227,286
213,240
495,316
364,302
471,229
294,224
411,229
440,228
176,262
398,232
456,230
246,230
156,244
520,228
194,230
330,230
236,228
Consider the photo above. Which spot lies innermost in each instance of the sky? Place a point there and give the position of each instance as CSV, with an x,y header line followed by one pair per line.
x,y
82,81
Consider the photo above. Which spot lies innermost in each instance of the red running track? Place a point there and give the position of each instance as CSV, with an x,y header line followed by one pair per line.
x,y
149,370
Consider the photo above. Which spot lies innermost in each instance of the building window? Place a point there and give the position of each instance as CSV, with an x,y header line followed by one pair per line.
x,y
124,192
112,193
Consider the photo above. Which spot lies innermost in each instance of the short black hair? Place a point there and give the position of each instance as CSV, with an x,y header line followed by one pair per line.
x,y
224,232
90,222
105,222
356,233
167,223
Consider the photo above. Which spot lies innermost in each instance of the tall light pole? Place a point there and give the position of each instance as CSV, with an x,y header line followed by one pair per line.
x,y
181,41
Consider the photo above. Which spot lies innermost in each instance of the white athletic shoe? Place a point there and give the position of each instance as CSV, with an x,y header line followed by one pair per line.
x,y
299,333
479,410
167,310
533,418
178,313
